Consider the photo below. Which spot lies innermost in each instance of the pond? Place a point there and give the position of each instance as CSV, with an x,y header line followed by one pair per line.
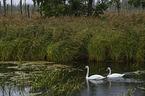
x,y
41,78
132,82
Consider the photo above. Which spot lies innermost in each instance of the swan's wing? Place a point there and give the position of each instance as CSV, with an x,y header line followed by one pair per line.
x,y
96,77
116,75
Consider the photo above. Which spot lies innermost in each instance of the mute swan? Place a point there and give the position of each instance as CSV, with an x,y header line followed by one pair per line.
x,y
114,74
93,76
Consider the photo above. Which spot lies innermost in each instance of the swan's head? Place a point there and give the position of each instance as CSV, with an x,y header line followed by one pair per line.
x,y
86,67
108,68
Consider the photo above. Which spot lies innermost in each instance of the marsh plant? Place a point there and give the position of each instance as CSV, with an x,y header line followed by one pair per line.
x,y
66,38
129,92
41,79
55,84
54,80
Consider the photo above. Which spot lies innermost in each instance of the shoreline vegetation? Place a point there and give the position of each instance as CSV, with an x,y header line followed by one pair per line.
x,y
112,37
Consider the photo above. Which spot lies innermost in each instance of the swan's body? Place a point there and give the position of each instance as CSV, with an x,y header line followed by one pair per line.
x,y
114,74
93,76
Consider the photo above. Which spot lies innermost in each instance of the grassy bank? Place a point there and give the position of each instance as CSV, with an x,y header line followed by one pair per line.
x,y
112,37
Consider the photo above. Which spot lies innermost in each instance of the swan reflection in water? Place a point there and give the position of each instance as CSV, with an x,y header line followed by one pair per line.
x,y
105,86
94,82
90,86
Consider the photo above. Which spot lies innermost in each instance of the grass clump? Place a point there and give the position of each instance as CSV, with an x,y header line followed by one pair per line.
x,y
54,83
129,92
41,78
66,38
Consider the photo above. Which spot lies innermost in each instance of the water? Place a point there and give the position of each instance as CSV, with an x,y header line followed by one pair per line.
x,y
14,80
133,80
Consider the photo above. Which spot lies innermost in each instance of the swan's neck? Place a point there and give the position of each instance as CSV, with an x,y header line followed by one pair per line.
x,y
87,73
109,72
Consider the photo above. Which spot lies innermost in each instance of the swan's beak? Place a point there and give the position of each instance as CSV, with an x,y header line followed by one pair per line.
x,y
107,69
84,67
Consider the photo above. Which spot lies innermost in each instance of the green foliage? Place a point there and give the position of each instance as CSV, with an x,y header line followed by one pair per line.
x,y
50,8
101,7
117,4
137,3
75,7
53,9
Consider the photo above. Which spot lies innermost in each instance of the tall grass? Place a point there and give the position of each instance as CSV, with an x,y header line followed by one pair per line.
x,y
129,92
116,38
54,84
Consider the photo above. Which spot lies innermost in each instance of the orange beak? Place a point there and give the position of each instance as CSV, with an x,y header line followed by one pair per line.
x,y
106,69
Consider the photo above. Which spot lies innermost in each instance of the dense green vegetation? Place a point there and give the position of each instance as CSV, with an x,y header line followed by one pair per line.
x,y
55,84
66,38
84,7
71,7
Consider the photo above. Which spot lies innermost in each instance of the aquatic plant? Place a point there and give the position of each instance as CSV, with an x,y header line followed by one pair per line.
x,y
42,78
54,83
129,92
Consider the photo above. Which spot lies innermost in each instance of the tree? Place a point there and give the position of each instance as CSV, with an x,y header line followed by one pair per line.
x,y
49,8
21,6
75,7
11,6
102,5
28,11
143,5
4,2
25,7
0,6
117,4
90,7
137,3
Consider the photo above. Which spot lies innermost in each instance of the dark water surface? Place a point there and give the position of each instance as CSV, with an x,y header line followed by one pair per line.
x,y
134,79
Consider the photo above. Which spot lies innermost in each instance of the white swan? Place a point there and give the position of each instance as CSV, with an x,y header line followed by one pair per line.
x,y
114,74
93,76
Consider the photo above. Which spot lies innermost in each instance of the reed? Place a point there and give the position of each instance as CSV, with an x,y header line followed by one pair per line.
x,y
128,93
43,78
67,38
54,83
